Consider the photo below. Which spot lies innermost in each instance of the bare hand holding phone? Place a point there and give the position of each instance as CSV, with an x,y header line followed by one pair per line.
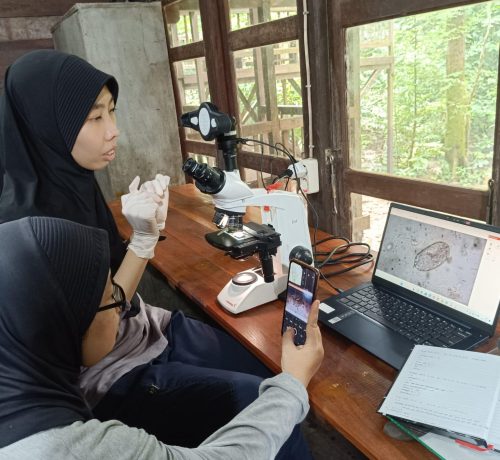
x,y
303,361
300,293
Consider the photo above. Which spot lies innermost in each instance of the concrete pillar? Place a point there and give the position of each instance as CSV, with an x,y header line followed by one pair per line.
x,y
127,40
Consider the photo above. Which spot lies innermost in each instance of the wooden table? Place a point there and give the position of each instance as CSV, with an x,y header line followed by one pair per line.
x,y
351,382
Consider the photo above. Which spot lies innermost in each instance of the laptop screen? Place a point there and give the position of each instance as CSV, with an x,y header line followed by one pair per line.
x,y
447,259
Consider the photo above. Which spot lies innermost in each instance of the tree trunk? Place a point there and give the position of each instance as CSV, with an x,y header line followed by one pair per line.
x,y
456,94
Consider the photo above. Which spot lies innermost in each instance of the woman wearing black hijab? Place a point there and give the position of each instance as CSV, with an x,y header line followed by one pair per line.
x,y
57,302
48,96
162,363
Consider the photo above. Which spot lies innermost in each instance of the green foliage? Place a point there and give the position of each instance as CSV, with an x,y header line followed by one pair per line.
x,y
423,90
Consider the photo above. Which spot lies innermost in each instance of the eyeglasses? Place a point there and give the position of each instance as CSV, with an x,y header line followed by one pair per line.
x,y
119,300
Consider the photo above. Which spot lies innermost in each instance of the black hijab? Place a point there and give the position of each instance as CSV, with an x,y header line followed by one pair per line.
x,y
52,277
48,95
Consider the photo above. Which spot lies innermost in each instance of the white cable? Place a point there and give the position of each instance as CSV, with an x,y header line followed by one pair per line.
x,y
308,78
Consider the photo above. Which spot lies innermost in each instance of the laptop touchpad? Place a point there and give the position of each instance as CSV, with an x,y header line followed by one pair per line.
x,y
382,342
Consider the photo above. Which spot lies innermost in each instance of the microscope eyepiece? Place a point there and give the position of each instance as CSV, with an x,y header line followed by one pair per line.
x,y
207,178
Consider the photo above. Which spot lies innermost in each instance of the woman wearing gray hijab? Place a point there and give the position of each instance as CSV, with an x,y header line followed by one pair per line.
x,y
58,304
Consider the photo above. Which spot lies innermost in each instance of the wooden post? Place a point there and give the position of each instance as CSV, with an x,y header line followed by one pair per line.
x,y
324,102
200,71
390,102
354,118
495,211
269,77
220,69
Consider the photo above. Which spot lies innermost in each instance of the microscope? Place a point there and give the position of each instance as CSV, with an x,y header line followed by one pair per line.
x,y
282,233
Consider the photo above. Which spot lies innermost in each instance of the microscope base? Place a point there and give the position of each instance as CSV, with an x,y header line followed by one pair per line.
x,y
237,298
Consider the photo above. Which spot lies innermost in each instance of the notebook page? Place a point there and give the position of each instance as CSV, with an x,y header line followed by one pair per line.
x,y
450,389
494,434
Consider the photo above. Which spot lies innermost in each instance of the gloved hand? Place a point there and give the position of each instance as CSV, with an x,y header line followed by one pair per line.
x,y
140,209
159,186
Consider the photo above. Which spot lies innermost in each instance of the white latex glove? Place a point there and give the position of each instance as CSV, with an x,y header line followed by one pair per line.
x,y
140,209
159,186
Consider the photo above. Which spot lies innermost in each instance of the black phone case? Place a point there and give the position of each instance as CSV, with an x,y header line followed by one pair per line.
x,y
299,326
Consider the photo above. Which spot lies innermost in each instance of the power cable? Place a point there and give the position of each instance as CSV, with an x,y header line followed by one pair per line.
x,y
322,259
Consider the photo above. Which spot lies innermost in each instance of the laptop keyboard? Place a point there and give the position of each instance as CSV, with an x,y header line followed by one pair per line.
x,y
414,323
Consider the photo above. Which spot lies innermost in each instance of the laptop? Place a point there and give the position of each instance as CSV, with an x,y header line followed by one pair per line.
x,y
436,282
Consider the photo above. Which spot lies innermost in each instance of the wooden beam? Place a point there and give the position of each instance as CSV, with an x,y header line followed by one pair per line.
x,y
446,198
293,110
283,72
246,159
202,148
246,101
30,8
360,223
262,127
246,4
286,124
367,86
184,52
235,4
17,47
381,43
12,29
380,62
356,12
267,33
270,164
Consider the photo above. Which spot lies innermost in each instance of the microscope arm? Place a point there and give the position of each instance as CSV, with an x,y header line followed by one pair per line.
x,y
234,193
285,211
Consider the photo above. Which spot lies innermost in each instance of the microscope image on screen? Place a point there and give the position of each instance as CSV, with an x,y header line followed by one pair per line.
x,y
423,254
298,302
301,288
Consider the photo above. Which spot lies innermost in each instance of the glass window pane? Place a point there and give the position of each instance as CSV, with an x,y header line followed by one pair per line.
x,y
368,219
244,15
422,94
269,96
192,81
183,22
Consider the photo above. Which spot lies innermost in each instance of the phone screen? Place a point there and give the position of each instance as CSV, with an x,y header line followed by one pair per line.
x,y
301,289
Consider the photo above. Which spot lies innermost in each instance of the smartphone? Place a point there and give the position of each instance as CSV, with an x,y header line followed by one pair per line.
x,y
300,293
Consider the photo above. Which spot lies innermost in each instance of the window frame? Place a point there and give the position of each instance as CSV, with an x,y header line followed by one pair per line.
x,y
327,24
467,202
220,70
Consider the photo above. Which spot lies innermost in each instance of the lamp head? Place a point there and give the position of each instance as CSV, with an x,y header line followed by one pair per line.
x,y
208,121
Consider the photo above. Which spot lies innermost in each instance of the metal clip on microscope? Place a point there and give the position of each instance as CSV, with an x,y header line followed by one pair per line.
x,y
283,231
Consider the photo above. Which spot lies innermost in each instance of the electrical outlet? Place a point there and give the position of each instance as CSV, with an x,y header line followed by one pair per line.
x,y
310,183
